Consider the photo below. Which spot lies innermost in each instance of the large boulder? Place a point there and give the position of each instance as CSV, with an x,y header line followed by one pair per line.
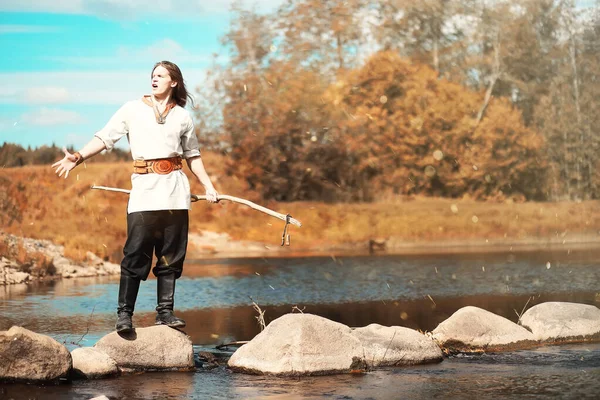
x,y
562,322
156,348
395,345
89,362
299,344
473,329
30,357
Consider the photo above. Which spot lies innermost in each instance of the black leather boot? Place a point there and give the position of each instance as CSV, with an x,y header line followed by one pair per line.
x,y
128,291
166,292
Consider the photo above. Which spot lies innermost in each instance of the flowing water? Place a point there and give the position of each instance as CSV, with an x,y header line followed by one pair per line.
x,y
417,291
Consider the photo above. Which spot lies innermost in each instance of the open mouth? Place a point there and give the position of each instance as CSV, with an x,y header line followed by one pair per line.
x,y
154,85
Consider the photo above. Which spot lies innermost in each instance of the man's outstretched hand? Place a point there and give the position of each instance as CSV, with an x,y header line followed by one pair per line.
x,y
66,164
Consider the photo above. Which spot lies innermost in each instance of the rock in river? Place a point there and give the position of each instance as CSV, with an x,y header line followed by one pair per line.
x,y
564,322
155,348
89,362
299,344
472,329
396,345
31,357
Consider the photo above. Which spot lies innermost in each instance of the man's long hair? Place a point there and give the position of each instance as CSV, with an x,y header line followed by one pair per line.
x,y
179,94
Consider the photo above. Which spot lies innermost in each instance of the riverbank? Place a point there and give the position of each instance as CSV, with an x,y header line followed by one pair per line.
x,y
25,260
67,212
219,246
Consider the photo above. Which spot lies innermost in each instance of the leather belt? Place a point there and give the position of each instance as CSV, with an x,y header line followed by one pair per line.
x,y
161,166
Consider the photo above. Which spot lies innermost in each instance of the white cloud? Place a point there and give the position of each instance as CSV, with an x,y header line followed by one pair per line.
x,y
93,87
53,6
51,116
109,86
7,29
46,95
166,49
131,9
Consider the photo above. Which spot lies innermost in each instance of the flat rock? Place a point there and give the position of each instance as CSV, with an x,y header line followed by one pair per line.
x,y
299,344
69,270
396,345
472,329
10,276
31,357
564,322
89,362
155,348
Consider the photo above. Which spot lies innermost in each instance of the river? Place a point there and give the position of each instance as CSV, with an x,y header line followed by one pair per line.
x,y
417,291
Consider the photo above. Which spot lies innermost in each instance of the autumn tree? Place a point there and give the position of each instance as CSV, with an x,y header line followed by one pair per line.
x,y
567,114
324,34
485,65
428,31
279,136
274,121
301,118
409,132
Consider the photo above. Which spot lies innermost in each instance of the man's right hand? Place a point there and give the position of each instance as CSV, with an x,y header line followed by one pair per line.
x,y
66,164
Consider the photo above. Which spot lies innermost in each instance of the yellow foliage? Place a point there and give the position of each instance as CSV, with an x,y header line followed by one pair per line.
x,y
414,133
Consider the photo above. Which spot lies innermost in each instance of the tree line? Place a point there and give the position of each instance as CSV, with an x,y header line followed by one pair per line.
x,y
14,155
362,99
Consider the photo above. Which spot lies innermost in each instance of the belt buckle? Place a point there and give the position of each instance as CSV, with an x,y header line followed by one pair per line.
x,y
163,167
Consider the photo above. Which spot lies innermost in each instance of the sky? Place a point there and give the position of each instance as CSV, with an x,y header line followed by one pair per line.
x,y
69,65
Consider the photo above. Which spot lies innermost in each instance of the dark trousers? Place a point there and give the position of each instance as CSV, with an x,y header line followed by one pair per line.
x,y
164,233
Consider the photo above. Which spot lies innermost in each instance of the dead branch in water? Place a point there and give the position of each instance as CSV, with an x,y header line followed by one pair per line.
x,y
261,315
236,343
523,310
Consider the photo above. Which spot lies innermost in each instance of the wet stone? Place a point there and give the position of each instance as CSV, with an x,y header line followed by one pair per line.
x,y
396,345
563,322
31,357
90,363
299,344
156,348
472,329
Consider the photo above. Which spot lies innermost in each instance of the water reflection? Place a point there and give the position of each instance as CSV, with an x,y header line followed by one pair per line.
x,y
228,324
215,296
407,290
213,326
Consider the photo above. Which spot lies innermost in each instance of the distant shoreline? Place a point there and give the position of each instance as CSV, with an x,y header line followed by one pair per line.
x,y
215,246
242,249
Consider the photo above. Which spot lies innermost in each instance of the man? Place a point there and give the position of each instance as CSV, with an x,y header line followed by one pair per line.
x,y
160,133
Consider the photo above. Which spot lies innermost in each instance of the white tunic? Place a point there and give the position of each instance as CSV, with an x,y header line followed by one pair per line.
x,y
150,140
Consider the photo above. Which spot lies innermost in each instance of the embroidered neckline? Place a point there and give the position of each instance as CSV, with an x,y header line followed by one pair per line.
x,y
161,118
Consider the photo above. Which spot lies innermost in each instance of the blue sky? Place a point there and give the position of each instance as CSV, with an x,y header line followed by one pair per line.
x,y
68,65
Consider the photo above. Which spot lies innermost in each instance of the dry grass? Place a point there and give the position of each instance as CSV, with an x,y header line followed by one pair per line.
x,y
68,213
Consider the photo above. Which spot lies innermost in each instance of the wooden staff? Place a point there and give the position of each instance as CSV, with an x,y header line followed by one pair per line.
x,y
287,218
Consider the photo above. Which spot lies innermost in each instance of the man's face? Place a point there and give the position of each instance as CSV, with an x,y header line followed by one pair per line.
x,y
162,84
